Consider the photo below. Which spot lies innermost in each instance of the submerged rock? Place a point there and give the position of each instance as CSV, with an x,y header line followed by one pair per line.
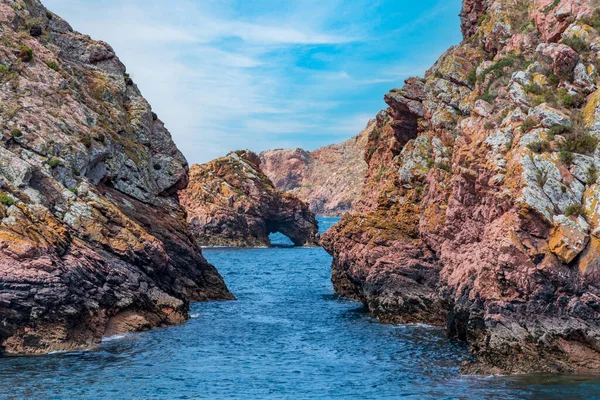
x,y
231,202
93,241
328,179
479,210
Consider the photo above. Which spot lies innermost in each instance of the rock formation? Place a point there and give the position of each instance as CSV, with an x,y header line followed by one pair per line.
x,y
328,179
480,207
231,202
93,241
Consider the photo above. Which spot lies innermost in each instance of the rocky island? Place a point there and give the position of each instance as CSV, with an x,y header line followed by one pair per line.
x,y
231,202
329,179
93,240
480,211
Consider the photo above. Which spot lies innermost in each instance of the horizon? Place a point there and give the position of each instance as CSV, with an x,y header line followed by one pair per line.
x,y
228,75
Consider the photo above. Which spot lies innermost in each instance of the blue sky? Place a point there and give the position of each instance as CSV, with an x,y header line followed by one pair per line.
x,y
234,74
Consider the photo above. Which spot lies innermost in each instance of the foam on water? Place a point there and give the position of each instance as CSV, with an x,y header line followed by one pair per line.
x,y
114,337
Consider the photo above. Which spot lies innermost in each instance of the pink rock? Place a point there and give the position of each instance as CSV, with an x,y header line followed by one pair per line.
x,y
469,242
90,224
552,23
482,108
469,16
329,179
562,58
231,202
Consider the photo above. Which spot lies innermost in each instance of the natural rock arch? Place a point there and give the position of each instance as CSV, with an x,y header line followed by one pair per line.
x,y
231,202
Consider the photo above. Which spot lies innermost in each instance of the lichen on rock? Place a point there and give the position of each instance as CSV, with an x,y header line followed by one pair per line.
x,y
231,202
91,232
480,209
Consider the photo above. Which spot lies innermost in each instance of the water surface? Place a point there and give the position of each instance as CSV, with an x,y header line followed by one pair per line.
x,y
286,337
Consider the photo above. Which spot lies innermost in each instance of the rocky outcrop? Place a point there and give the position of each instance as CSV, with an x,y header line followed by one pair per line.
x,y
231,202
479,210
328,179
470,15
93,241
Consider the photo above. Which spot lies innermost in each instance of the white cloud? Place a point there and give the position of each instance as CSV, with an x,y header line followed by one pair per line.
x,y
253,33
222,81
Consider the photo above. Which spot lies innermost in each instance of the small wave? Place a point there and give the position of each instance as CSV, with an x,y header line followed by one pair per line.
x,y
233,247
468,377
417,325
61,352
114,337
194,315
74,350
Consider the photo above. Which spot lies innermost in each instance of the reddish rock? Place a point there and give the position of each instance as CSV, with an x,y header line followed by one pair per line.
x,y
470,216
562,58
287,168
93,241
552,19
328,179
231,202
471,11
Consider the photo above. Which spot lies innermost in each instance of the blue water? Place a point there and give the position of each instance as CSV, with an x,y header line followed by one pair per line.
x,y
286,337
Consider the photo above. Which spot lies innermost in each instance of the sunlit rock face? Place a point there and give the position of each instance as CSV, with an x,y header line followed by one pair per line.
x,y
329,179
231,202
480,210
93,241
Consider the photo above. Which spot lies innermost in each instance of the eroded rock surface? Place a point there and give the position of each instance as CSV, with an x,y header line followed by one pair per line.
x,y
93,241
231,202
328,179
480,207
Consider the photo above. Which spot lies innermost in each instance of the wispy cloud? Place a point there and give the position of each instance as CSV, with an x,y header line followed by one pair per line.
x,y
228,74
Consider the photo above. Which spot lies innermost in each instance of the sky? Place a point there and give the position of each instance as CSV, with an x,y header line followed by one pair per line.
x,y
264,74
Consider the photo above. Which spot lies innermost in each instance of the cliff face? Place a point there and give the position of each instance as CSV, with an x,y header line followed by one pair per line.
x,y
328,179
480,207
93,240
231,202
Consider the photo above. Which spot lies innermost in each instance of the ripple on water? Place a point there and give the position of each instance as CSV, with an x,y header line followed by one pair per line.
x,y
287,337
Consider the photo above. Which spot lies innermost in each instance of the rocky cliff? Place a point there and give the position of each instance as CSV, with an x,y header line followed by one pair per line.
x,y
328,179
480,208
231,202
93,240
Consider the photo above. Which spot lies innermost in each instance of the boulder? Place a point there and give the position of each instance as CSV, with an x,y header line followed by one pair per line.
x,y
569,237
562,58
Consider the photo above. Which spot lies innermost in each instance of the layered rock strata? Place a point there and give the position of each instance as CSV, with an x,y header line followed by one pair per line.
x,y
480,212
93,241
328,179
231,202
